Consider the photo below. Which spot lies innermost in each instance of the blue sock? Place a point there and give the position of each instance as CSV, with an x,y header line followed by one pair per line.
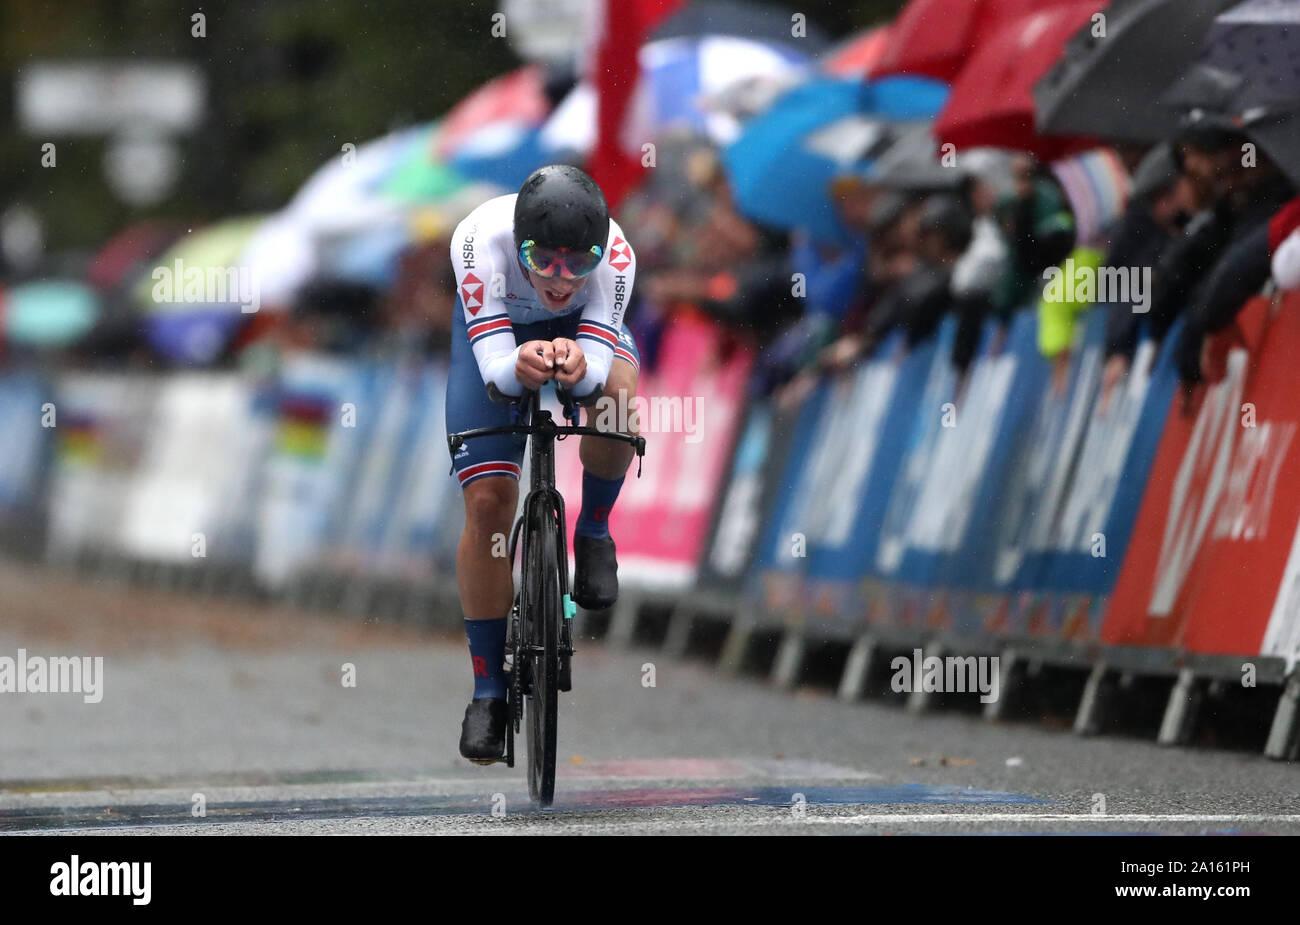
x,y
598,497
487,650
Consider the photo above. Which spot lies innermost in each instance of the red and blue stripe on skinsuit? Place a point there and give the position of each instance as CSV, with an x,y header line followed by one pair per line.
x,y
468,405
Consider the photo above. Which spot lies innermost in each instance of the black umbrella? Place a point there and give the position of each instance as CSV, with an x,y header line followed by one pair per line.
x,y
912,162
761,23
1218,101
1277,131
1259,40
1109,86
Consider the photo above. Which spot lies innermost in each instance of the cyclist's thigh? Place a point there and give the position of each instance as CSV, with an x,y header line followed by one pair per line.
x,y
468,407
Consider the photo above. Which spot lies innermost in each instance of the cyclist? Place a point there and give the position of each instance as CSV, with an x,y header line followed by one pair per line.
x,y
543,277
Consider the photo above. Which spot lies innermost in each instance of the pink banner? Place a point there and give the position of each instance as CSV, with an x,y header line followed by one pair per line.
x,y
689,408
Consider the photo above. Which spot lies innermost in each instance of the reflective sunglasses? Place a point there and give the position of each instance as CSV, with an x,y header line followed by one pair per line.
x,y
550,262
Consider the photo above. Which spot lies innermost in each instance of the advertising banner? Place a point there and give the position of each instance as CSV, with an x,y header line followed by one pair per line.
x,y
690,409
1217,524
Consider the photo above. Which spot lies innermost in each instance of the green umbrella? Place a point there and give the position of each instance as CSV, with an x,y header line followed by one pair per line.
x,y
49,313
418,177
196,269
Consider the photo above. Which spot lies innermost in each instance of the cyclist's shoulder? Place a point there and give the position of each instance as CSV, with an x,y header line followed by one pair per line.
x,y
617,235
621,258
491,219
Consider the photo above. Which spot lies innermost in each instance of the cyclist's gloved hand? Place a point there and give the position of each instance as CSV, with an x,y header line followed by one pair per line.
x,y
535,364
570,362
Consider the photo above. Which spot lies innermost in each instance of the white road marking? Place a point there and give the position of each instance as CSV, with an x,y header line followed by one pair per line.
x,y
1094,818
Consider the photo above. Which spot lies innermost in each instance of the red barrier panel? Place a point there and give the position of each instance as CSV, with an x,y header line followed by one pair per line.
x,y
1221,507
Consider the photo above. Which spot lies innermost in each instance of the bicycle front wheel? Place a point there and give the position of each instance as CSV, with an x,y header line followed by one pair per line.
x,y
541,587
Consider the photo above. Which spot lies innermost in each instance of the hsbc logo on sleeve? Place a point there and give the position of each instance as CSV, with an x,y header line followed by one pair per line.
x,y
471,293
620,254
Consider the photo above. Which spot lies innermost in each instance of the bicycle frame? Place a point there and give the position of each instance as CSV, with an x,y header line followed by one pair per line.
x,y
543,505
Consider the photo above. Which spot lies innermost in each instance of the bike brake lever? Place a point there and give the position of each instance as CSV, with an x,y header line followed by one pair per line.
x,y
568,404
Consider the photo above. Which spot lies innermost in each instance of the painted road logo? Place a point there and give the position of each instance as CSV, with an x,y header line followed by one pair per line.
x,y
76,877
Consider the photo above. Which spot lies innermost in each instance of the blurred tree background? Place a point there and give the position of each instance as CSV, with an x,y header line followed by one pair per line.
x,y
289,82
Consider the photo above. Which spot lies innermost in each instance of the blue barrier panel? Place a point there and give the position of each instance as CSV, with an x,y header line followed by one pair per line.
x,y
940,503
1114,465
27,444
1003,416
427,490
861,462
978,510
748,498
234,534
390,452
777,574
359,413
920,522
313,460
1042,467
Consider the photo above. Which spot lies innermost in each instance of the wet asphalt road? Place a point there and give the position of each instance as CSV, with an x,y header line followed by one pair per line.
x,y
242,712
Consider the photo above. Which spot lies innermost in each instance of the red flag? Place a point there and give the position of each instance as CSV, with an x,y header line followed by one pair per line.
x,y
614,71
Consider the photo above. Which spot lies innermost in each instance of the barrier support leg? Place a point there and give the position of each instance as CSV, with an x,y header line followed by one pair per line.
x,y
736,646
789,660
1012,667
1180,711
857,669
1093,703
1284,735
920,700
680,622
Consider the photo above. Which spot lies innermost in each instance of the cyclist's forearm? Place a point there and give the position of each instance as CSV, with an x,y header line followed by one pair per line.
x,y
597,373
499,370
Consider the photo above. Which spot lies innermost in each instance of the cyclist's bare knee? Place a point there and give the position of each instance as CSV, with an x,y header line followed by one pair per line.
x,y
614,411
490,505
616,408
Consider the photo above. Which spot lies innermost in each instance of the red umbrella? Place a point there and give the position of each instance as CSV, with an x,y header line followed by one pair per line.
x,y
992,101
518,97
129,250
935,38
859,54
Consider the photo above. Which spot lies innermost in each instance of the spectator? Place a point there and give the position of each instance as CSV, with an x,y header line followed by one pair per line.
x,y
1038,227
1284,244
833,283
1154,218
976,273
1224,256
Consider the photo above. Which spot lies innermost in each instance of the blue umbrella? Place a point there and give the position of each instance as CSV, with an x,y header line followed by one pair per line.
x,y
193,338
680,73
780,173
369,257
905,99
506,161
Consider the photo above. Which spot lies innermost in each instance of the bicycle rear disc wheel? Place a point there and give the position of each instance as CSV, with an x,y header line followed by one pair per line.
x,y
542,592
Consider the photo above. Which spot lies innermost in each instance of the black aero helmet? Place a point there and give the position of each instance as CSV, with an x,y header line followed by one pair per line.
x,y
560,207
